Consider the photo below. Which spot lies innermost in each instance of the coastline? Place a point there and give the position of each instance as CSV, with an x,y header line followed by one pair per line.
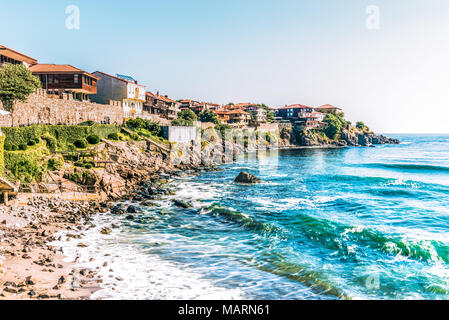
x,y
34,268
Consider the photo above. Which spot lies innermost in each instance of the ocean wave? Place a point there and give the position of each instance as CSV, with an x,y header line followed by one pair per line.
x,y
406,167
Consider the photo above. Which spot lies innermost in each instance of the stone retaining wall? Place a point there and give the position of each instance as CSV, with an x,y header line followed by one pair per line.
x,y
42,108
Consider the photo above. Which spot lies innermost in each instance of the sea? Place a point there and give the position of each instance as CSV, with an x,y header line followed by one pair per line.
x,y
325,223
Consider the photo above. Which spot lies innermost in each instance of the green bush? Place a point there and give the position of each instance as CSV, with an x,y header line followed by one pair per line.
x,y
88,165
81,143
151,126
88,123
14,148
26,170
54,164
23,147
8,147
31,143
134,136
93,139
182,123
113,136
209,116
51,142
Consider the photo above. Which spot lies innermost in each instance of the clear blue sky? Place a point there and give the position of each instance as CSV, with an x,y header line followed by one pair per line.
x,y
280,52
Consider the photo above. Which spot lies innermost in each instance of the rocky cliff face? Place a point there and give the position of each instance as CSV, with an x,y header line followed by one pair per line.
x,y
348,137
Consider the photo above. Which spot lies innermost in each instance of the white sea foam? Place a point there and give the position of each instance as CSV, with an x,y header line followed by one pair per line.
x,y
132,273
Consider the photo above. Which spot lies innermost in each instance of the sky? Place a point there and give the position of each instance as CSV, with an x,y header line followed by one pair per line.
x,y
388,67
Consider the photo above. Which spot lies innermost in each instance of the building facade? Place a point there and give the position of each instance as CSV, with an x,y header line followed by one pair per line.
x,y
120,88
8,55
65,78
161,105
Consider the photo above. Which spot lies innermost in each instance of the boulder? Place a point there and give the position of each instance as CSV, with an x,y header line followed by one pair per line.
x,y
181,203
245,177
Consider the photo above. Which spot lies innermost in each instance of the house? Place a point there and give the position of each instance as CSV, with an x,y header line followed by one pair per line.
x,y
300,114
327,108
197,106
223,115
120,88
8,55
59,78
238,117
259,114
294,112
161,105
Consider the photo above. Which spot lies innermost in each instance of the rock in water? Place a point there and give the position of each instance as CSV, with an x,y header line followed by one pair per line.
x,y
245,177
180,203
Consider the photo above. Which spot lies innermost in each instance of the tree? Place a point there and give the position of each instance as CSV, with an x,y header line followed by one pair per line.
x,y
333,126
16,83
361,126
209,116
187,115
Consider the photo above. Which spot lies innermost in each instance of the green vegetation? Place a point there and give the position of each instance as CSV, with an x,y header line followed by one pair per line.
x,y
361,126
16,83
2,155
334,125
221,128
114,136
182,123
93,139
57,137
25,165
209,116
81,143
187,115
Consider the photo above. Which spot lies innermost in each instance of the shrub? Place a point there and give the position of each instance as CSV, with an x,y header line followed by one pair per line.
x,y
88,123
333,126
88,165
81,143
14,148
209,116
55,164
222,129
51,142
182,123
187,115
93,139
23,147
32,142
26,170
8,147
134,136
113,136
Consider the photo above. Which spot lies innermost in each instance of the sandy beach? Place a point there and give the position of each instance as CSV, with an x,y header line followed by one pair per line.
x,y
30,267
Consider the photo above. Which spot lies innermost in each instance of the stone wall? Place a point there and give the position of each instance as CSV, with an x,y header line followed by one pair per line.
x,y
42,108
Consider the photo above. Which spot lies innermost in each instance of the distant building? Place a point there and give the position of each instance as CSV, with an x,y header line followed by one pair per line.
x,y
64,78
259,114
223,115
120,88
238,118
300,114
327,108
197,106
8,55
161,105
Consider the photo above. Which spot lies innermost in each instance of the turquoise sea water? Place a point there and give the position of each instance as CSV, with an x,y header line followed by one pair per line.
x,y
359,223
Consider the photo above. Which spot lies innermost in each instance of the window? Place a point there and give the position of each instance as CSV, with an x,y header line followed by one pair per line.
x,y
75,78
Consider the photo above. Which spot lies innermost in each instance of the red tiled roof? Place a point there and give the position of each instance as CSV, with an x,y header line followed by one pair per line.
x,y
7,52
237,111
328,106
58,68
159,97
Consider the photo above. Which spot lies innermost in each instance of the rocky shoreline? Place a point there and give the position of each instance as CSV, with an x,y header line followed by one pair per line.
x,y
32,268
